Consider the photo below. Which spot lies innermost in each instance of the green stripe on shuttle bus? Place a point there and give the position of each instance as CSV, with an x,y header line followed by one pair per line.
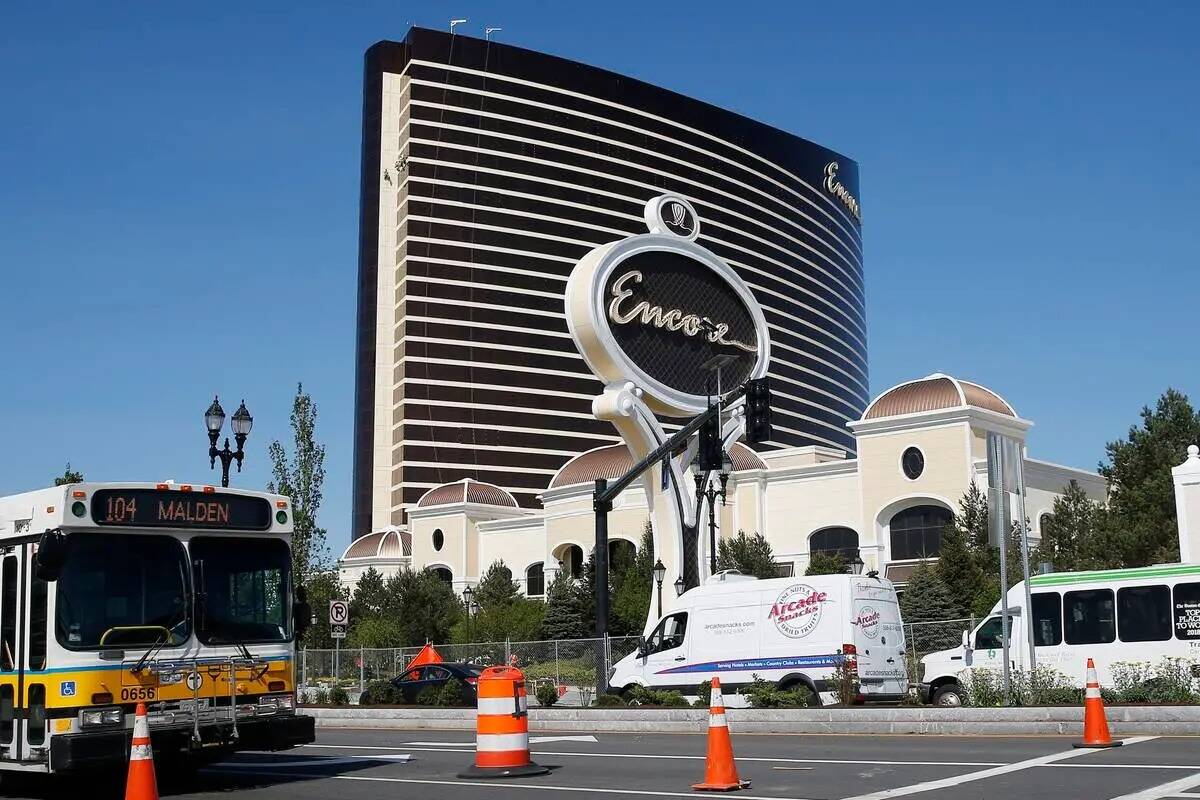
x,y
1115,575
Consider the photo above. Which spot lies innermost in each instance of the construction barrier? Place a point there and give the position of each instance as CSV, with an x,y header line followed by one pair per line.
x,y
1095,724
502,727
140,783
720,773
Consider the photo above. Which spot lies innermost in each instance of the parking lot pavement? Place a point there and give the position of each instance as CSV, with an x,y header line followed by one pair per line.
x,y
360,764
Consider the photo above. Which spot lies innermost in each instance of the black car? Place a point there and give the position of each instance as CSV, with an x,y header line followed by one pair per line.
x,y
417,679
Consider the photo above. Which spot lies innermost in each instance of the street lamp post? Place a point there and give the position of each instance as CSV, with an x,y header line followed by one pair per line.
x,y
660,572
468,597
679,586
241,423
711,493
856,564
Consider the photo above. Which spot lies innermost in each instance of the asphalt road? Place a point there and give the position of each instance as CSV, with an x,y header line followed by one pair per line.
x,y
422,765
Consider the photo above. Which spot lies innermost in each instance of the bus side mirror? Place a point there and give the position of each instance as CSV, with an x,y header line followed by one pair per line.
x,y
966,640
51,554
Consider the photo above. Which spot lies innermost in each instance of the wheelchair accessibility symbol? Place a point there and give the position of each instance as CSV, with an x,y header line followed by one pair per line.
x,y
67,688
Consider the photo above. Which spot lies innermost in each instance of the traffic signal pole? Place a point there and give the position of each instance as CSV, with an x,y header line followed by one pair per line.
x,y
602,501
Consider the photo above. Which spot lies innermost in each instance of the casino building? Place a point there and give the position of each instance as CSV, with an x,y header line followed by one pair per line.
x,y
918,447
487,172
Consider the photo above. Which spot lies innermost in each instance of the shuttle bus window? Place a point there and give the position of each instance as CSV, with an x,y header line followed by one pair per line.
x,y
37,715
1047,619
1144,613
669,634
1089,617
37,624
8,613
1187,611
989,636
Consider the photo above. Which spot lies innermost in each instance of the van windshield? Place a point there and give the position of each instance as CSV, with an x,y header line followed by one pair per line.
x,y
122,590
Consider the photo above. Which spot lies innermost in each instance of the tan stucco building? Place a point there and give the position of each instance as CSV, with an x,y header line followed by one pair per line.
x,y
919,446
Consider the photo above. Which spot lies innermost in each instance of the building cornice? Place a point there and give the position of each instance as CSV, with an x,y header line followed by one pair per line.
x,y
970,415
472,510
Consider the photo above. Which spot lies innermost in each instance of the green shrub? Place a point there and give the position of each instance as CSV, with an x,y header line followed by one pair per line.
x,y
641,696
453,694
320,697
766,694
339,696
610,701
381,693
546,693
428,696
703,695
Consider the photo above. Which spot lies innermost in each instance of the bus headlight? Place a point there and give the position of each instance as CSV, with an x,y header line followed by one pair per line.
x,y
276,703
97,717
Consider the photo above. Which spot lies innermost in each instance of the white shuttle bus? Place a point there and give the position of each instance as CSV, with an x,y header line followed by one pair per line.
x,y
791,631
1140,614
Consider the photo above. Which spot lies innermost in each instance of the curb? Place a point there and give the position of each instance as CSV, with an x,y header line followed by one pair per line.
x,y
1123,720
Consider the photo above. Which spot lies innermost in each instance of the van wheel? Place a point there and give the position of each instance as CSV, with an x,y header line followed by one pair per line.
x,y
627,696
948,696
811,698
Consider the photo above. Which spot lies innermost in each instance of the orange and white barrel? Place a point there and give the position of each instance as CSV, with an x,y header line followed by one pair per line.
x,y
502,727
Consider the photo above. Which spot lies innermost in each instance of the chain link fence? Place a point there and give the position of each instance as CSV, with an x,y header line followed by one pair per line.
x,y
924,638
567,664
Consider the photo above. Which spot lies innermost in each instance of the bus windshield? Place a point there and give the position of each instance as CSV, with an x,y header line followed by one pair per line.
x,y
243,590
122,590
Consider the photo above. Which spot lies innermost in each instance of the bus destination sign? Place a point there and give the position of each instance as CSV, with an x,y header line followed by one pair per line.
x,y
155,508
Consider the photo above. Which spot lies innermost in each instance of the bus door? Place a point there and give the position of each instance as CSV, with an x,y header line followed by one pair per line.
x,y
23,628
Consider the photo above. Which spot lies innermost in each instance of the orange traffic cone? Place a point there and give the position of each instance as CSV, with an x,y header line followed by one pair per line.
x,y
141,784
1095,726
720,773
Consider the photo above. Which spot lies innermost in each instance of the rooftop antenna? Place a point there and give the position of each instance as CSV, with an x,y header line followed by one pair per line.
x,y
454,22
487,32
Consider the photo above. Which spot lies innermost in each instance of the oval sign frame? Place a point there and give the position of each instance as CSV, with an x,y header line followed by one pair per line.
x,y
588,322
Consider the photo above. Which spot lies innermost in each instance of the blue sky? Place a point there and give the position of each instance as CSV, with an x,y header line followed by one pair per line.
x,y
179,184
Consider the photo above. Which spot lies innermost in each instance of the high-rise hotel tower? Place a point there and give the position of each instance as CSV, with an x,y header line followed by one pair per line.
x,y
487,171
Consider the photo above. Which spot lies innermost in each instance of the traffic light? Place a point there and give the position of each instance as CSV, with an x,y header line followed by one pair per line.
x,y
710,455
758,410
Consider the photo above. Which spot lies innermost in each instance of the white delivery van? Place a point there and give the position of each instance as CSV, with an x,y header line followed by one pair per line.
x,y
792,631
1140,614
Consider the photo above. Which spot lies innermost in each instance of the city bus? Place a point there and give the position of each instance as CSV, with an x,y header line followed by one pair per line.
x,y
176,596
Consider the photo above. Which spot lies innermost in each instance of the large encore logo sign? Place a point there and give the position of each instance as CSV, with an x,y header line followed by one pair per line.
x,y
655,309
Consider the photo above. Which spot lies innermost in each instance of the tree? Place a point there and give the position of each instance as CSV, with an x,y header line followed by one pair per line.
x,y
370,597
1141,502
69,476
926,598
633,589
423,606
322,586
301,478
825,563
1074,535
496,588
749,555
564,618
519,620
965,559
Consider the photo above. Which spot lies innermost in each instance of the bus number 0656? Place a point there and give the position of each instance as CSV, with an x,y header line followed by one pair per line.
x,y
138,693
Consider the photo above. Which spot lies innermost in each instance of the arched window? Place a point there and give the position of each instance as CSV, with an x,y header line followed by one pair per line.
x,y
573,560
446,575
535,581
834,541
620,554
917,532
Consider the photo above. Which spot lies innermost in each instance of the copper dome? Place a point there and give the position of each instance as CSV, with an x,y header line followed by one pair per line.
x,y
614,460
467,490
381,544
934,393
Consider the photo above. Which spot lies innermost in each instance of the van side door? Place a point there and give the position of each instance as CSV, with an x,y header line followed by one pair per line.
x,y
666,653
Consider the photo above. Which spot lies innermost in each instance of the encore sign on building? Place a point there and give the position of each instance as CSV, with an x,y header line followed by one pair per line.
x,y
648,313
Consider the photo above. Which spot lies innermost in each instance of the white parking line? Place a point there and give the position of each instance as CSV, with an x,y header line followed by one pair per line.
x,y
1172,789
957,780
671,757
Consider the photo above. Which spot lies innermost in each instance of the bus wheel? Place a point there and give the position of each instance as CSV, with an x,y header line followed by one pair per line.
x,y
948,696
